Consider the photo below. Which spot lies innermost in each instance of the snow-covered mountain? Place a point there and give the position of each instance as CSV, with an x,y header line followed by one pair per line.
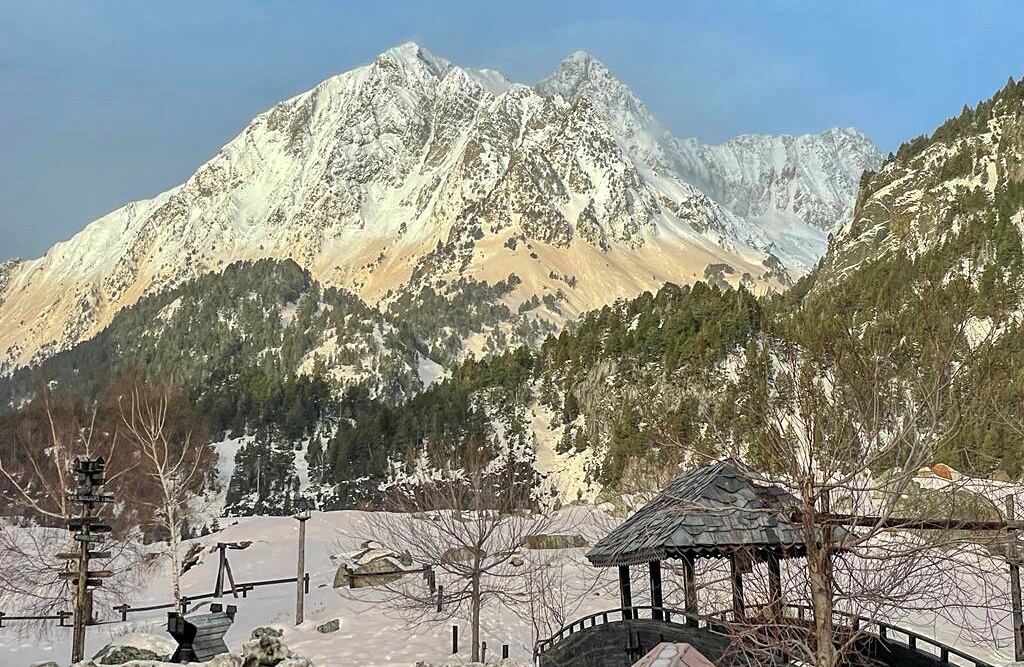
x,y
411,173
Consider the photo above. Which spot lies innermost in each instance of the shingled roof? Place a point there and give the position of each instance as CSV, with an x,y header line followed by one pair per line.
x,y
711,511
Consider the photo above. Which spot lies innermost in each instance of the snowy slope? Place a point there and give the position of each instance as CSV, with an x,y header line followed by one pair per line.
x,y
411,171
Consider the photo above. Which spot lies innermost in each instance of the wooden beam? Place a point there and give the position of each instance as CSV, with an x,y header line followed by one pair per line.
x,y
625,592
907,523
690,587
738,607
775,584
654,570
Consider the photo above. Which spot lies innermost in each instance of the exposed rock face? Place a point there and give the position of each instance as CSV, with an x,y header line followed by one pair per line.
x,y
411,172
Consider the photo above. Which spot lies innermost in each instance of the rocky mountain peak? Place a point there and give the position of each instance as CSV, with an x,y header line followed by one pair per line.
x,y
581,75
412,54
412,173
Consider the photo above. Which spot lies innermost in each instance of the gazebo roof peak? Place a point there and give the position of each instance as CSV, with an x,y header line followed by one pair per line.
x,y
715,510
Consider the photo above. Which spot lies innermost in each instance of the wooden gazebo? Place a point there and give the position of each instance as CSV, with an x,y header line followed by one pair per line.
x,y
721,510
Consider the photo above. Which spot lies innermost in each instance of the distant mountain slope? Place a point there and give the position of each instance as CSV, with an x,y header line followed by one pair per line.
x,y
930,271
260,343
420,186
779,183
958,187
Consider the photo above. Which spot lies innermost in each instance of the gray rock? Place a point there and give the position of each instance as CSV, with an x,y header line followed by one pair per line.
x,y
48,663
265,651
332,625
267,630
296,661
225,660
113,654
460,555
555,541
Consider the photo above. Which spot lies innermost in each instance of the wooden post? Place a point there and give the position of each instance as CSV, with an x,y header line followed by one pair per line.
x,y
737,587
455,639
81,605
625,592
88,531
218,588
301,571
775,584
654,568
1015,597
690,586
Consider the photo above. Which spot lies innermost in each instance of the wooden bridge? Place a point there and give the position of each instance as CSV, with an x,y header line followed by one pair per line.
x,y
620,637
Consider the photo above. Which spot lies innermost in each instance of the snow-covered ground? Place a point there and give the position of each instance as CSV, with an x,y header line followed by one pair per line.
x,y
369,635
373,635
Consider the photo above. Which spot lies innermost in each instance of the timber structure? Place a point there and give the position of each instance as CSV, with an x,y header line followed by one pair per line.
x,y
722,511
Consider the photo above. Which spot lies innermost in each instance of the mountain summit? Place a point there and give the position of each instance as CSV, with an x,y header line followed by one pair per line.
x,y
422,186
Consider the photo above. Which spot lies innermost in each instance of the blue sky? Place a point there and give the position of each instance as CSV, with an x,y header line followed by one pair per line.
x,y
102,103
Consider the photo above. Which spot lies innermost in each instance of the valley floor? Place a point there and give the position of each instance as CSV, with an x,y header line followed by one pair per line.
x,y
369,635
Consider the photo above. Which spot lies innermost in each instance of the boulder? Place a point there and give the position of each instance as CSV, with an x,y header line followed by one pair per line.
x,y
118,655
266,630
1000,476
264,651
371,565
224,660
555,541
332,625
458,555
945,472
376,572
47,663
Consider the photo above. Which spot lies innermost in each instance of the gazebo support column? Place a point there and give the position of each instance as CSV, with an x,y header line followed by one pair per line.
x,y
690,587
656,600
737,587
625,592
775,584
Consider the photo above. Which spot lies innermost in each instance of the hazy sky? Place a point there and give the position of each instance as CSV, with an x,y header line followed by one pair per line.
x,y
102,103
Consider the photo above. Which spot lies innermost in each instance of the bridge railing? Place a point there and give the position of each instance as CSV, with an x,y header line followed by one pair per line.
x,y
663,614
883,630
719,622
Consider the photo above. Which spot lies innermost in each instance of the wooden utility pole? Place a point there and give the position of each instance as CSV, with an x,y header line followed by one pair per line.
x,y
302,515
1015,599
88,531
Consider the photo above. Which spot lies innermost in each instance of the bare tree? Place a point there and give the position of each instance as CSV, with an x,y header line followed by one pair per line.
x,y
173,460
467,522
41,442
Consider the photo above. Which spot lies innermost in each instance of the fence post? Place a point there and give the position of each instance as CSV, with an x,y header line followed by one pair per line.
x,y
504,651
455,639
483,651
440,597
1015,597
2,614
305,579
